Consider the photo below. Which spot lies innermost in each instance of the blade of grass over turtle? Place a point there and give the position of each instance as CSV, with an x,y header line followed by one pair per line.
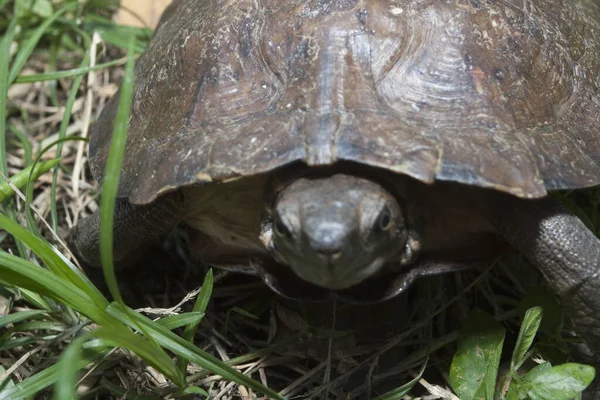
x,y
20,179
29,45
52,76
199,306
182,348
111,175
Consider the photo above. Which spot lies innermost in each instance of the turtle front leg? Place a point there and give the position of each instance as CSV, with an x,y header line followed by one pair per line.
x,y
134,227
567,254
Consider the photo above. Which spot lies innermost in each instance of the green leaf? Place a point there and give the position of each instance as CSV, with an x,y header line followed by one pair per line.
x,y
517,390
541,296
21,178
475,364
538,370
529,327
562,382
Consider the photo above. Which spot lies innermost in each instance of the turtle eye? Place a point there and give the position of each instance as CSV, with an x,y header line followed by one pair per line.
x,y
281,229
385,220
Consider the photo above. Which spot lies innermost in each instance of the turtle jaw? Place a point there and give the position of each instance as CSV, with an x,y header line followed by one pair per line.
x,y
388,283
335,275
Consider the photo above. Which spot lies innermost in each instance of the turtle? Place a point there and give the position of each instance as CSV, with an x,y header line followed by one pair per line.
x,y
344,148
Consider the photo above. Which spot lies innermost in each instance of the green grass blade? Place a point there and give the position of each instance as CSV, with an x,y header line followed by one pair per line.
x,y
177,321
27,147
40,325
31,223
29,387
20,179
28,46
118,35
22,273
400,392
153,355
5,45
191,390
182,348
17,342
55,261
20,316
111,176
70,73
199,306
65,387
18,272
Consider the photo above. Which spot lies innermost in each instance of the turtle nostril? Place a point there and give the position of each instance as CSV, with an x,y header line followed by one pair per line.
x,y
330,254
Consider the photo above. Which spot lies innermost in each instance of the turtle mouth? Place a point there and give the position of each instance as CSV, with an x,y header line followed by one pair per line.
x,y
383,286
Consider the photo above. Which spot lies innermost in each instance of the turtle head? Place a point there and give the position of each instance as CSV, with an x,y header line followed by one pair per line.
x,y
336,231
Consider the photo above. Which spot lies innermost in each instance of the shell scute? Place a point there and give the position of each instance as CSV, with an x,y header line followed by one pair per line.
x,y
497,94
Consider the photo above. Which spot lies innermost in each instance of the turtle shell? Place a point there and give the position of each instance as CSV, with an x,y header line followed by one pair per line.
x,y
493,93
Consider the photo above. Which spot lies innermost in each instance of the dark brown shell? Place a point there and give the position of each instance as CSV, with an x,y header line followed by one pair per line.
x,y
494,93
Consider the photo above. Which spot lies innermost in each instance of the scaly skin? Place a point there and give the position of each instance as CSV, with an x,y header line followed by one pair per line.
x,y
567,254
134,228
